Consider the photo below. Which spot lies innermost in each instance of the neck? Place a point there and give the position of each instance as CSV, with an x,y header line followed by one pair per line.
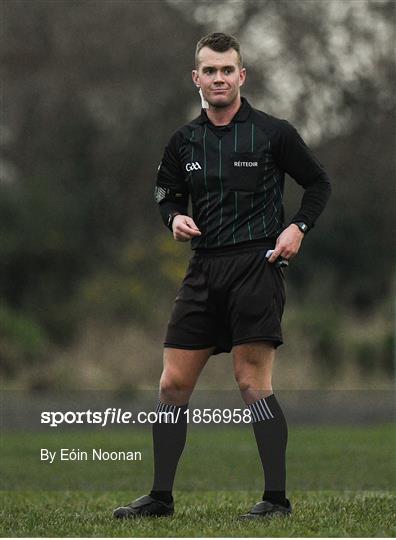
x,y
221,116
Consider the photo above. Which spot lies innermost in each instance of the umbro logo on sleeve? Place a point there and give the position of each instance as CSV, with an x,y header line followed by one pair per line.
x,y
194,166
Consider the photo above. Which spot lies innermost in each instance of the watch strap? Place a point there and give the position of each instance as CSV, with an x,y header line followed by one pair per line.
x,y
302,226
171,217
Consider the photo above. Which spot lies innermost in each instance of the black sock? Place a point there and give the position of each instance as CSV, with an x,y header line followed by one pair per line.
x,y
164,496
169,438
270,430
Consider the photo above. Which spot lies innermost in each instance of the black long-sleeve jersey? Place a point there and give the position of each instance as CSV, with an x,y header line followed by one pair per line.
x,y
235,176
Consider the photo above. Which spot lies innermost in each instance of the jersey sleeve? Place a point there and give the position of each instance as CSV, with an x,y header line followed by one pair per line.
x,y
171,192
296,159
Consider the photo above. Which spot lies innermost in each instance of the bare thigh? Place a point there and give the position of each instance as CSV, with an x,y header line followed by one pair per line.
x,y
181,370
253,363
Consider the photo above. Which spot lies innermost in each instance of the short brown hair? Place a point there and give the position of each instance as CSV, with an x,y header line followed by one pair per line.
x,y
219,42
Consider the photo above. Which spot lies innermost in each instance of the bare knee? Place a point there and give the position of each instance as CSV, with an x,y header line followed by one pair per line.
x,y
173,382
253,374
180,374
246,370
253,388
174,388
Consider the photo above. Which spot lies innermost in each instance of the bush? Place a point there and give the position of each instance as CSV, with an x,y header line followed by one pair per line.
x,y
22,342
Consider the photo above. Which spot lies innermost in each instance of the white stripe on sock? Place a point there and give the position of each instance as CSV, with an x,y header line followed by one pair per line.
x,y
253,412
168,408
268,409
260,404
260,410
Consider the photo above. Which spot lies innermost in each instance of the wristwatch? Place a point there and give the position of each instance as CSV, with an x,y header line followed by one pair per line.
x,y
302,226
171,217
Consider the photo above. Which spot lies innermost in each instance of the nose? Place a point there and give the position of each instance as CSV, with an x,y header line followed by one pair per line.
x,y
218,77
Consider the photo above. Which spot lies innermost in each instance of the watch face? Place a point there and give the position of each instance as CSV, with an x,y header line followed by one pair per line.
x,y
302,226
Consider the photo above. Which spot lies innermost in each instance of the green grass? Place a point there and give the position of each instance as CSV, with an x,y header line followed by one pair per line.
x,y
341,481
197,514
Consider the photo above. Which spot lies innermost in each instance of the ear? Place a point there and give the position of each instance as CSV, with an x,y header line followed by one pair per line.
x,y
242,76
195,78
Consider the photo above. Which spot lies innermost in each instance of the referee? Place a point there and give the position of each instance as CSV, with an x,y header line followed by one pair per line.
x,y
230,162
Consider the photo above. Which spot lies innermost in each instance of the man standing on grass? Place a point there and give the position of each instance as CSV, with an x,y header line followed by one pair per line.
x,y
231,161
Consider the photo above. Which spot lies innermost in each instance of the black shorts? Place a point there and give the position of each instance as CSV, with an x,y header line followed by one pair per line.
x,y
228,297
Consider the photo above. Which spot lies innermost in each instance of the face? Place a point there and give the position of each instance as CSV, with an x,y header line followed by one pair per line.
x,y
219,76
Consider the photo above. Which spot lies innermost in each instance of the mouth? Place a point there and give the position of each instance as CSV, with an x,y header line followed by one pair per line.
x,y
219,91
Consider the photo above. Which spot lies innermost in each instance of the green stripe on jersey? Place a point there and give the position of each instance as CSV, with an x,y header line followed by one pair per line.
x,y
235,192
252,196
192,158
206,187
264,189
221,195
236,214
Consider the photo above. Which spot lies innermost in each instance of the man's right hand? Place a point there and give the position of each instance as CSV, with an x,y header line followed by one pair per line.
x,y
184,228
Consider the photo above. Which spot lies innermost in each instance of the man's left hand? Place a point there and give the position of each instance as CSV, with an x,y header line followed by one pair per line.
x,y
288,243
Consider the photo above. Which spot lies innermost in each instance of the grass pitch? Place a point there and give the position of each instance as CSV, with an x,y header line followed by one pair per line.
x,y
341,483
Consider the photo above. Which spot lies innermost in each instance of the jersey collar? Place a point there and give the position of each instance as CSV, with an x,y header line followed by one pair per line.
x,y
240,116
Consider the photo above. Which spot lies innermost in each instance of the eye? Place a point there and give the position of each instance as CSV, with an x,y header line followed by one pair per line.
x,y
208,70
228,71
